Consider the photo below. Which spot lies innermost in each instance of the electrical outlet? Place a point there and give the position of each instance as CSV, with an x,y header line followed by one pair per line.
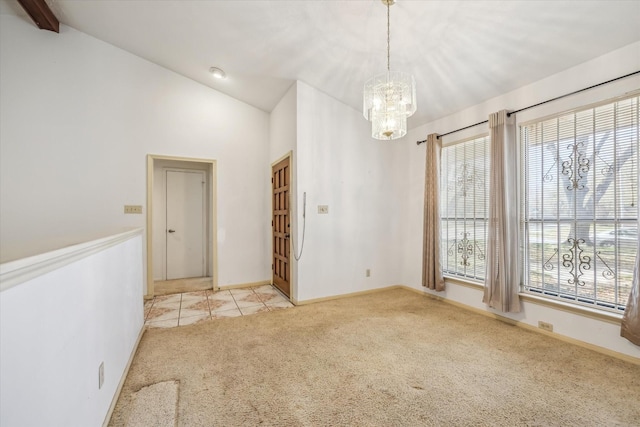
x,y
100,375
368,273
133,209
545,326
323,209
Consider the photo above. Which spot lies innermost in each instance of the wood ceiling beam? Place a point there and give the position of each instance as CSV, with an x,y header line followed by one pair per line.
x,y
41,14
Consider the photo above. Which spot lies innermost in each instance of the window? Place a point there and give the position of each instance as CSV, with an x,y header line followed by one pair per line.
x,y
464,207
580,213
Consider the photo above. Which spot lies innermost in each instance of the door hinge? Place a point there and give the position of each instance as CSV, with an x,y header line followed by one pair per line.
x,y
272,223
272,266
272,180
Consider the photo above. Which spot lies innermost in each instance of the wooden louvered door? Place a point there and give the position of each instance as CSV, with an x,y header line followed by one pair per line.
x,y
280,179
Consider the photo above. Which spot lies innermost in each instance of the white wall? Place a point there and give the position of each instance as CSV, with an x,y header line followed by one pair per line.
x,y
359,178
79,117
283,125
56,329
614,64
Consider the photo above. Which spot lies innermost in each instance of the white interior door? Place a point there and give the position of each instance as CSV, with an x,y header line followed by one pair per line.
x,y
185,225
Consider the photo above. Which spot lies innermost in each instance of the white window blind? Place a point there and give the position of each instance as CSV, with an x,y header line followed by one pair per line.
x,y
580,213
464,207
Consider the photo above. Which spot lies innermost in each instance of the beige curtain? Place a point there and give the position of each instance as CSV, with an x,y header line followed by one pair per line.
x,y
631,319
502,280
431,267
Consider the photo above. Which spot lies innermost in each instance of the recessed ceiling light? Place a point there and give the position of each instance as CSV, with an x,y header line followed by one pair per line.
x,y
218,73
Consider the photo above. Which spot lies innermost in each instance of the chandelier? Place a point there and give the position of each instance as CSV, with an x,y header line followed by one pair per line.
x,y
389,98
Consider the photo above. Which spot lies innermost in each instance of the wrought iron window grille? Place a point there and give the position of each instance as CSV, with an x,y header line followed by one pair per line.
x,y
577,167
466,180
577,262
467,248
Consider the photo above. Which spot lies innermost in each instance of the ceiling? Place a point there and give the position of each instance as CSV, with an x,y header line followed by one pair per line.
x,y
460,52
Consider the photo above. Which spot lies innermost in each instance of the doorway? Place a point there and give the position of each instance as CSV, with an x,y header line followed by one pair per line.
x,y
181,220
280,183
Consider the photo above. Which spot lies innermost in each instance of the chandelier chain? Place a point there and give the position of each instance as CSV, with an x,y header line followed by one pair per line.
x,y
388,38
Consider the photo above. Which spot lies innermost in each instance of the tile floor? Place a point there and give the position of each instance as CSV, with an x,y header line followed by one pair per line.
x,y
169,311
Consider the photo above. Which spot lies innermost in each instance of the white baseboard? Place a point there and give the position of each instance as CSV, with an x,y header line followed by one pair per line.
x,y
116,396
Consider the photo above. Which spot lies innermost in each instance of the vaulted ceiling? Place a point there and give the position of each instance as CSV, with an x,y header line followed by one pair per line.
x,y
460,52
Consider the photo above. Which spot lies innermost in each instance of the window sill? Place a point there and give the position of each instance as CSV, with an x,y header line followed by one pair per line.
x,y
580,310
464,282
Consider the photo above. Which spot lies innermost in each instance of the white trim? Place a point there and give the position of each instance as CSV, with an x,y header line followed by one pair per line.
x,y
464,281
212,244
572,307
284,156
19,271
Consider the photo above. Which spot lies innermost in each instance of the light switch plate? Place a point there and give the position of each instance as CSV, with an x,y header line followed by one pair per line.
x,y
133,209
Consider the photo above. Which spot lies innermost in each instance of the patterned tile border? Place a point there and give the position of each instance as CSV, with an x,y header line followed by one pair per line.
x,y
189,308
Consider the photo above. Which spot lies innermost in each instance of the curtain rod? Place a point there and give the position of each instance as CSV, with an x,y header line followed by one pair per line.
x,y
538,104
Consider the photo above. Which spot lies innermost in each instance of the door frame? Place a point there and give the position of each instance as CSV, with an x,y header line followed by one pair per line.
x,y
205,221
293,220
211,219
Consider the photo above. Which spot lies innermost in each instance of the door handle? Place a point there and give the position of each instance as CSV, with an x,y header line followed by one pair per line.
x,y
171,231
286,236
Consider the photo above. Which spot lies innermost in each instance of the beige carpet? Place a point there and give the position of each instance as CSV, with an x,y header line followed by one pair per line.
x,y
155,405
392,358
